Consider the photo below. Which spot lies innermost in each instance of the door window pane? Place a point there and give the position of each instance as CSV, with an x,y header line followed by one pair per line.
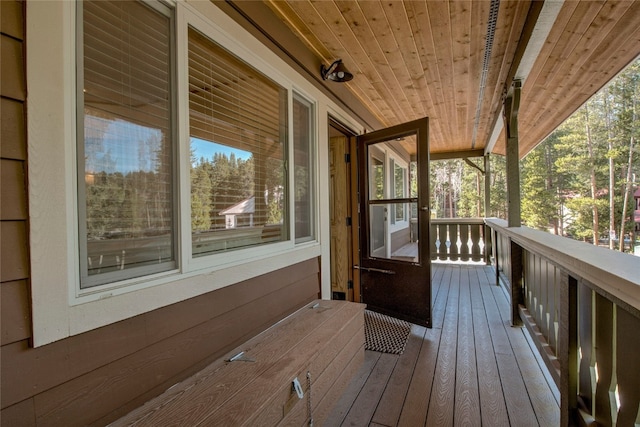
x,y
392,212
238,125
125,142
377,183
400,180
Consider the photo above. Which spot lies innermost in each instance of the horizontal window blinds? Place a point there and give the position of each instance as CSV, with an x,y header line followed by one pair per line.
x,y
231,103
238,128
127,61
125,153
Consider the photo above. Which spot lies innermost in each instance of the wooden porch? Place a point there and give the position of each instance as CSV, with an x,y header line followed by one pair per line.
x,y
471,368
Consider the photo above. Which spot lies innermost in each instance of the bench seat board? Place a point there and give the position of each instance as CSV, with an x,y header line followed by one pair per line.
x,y
324,338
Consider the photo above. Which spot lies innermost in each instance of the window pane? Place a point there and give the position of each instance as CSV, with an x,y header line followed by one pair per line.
x,y
238,127
304,172
399,178
377,184
399,245
125,147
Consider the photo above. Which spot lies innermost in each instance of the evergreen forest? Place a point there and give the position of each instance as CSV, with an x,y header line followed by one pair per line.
x,y
579,182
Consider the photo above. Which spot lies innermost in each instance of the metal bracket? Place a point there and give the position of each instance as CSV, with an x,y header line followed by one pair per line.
x,y
318,307
240,357
376,270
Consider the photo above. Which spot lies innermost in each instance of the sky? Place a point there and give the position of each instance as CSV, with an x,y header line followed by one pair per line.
x,y
121,146
207,149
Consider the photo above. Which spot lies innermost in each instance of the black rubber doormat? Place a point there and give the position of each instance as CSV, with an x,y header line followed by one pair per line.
x,y
385,334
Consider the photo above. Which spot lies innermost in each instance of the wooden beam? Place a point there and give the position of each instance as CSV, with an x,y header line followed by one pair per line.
x,y
488,242
487,185
511,107
540,19
473,165
447,155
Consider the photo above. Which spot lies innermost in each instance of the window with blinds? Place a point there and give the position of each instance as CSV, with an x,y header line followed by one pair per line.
x,y
125,140
238,129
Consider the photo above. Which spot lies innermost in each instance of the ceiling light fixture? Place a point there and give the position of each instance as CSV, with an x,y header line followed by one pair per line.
x,y
336,72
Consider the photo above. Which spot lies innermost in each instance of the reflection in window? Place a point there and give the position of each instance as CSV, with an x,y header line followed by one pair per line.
x,y
400,180
125,148
377,179
303,169
238,124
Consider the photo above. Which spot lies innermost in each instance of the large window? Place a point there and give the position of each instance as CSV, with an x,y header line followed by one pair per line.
x,y
238,128
125,141
128,171
166,149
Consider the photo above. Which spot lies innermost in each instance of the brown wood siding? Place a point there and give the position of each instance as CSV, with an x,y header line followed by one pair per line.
x,y
98,376
118,367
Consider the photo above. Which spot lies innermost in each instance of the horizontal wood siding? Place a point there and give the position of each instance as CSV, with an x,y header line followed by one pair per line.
x,y
96,377
116,368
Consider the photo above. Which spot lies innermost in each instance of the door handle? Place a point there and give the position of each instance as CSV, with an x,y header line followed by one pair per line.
x,y
425,208
376,270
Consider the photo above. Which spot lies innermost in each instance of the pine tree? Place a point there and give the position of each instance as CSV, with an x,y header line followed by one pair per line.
x,y
538,194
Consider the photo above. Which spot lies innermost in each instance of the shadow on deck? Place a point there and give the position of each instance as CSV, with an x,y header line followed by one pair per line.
x,y
471,368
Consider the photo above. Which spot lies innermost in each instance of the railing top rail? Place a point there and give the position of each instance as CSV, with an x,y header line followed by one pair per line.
x,y
616,273
457,220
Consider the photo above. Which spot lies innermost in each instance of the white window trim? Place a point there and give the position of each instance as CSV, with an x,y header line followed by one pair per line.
x,y
59,309
393,158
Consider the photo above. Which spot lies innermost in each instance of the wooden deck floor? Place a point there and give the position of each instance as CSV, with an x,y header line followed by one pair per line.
x,y
472,368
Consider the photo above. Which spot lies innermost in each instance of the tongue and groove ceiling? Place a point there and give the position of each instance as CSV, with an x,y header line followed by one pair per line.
x,y
454,60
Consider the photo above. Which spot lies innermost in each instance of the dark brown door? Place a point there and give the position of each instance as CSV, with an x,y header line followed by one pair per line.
x,y
395,269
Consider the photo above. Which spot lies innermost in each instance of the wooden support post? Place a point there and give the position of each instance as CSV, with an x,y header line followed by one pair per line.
x,y
496,252
487,185
515,279
488,243
568,349
511,106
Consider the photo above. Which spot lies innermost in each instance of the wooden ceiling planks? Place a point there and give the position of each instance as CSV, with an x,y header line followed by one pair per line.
x,y
570,70
369,83
374,40
464,84
477,46
405,62
430,82
407,52
424,58
511,19
440,27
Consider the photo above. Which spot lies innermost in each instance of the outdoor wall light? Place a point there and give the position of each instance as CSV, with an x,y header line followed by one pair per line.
x,y
336,72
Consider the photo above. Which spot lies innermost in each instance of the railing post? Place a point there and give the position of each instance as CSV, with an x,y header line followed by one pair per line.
x,y
568,349
515,281
488,244
496,252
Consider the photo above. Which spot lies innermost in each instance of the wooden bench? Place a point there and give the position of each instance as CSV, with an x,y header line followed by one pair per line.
x,y
321,345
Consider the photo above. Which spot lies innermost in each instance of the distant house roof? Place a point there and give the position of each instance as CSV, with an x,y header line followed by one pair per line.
x,y
244,207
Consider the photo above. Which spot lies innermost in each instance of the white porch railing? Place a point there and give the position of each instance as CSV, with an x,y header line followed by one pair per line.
x,y
458,239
